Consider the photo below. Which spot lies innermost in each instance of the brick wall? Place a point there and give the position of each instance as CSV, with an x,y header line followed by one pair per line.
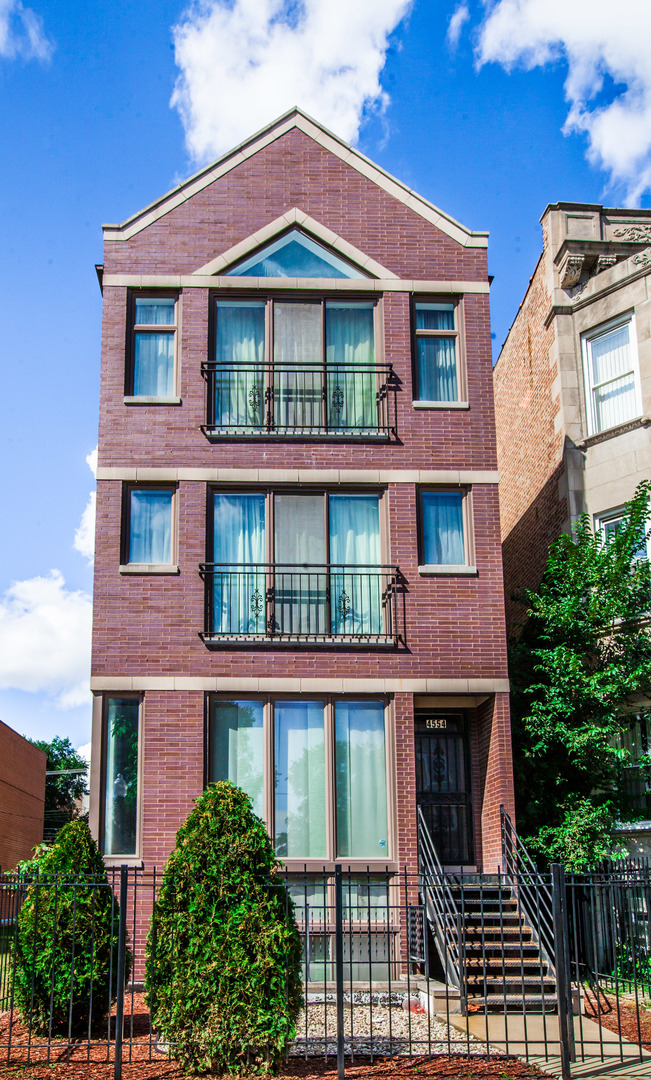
x,y
22,797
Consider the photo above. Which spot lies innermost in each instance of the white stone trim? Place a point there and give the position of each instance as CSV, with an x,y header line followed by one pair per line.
x,y
296,118
441,404
446,569
375,285
291,685
148,568
142,399
296,217
299,476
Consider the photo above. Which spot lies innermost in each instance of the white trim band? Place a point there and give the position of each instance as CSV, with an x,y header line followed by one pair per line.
x,y
299,476
99,683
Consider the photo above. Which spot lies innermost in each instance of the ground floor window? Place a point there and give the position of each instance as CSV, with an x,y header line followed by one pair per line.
x,y
315,769
120,757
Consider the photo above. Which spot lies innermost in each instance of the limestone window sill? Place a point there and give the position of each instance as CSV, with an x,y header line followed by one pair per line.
x,y
447,570
441,404
144,400
148,568
123,860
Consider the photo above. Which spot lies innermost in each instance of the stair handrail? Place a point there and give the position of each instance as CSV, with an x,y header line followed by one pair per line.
x,y
440,906
533,893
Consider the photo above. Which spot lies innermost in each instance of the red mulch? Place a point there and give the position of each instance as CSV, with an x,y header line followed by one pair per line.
x,y
622,1020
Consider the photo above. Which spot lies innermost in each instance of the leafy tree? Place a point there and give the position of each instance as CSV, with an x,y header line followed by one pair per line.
x,y
62,792
68,900
223,952
580,671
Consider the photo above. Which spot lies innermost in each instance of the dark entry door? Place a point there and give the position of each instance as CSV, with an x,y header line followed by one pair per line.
x,y
443,783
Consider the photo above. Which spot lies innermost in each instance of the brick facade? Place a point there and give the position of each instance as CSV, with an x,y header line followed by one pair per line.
x,y
22,797
146,627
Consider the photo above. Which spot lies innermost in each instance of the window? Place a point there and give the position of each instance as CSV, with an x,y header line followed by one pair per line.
x,y
295,255
437,374
148,535
445,532
154,347
609,524
121,746
325,789
303,566
297,367
611,377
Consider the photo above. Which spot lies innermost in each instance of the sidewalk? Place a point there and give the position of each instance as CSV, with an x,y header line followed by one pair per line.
x,y
621,1059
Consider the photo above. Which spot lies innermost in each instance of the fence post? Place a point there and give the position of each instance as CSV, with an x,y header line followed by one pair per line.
x,y
563,987
122,951
339,969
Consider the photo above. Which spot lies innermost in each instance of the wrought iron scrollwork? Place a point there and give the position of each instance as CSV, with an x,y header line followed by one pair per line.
x,y
254,398
337,400
257,604
343,604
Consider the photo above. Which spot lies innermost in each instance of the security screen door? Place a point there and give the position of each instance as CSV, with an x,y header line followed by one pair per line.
x,y
443,783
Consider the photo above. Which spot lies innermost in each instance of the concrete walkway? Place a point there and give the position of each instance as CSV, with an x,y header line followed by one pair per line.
x,y
621,1059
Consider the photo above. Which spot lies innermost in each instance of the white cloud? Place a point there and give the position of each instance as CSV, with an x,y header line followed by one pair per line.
x,y
595,38
21,33
84,541
457,21
45,633
245,62
84,751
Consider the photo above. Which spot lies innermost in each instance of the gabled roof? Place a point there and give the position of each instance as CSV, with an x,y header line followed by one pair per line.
x,y
296,118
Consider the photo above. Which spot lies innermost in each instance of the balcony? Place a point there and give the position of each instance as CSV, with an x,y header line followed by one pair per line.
x,y
270,603
344,401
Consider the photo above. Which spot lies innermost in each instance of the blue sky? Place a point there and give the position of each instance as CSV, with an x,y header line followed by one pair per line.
x,y
515,104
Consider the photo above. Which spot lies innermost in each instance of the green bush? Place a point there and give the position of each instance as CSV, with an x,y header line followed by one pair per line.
x,y
68,897
223,952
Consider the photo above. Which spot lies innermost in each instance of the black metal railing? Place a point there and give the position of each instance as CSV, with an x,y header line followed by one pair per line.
x,y
440,907
344,400
530,888
334,603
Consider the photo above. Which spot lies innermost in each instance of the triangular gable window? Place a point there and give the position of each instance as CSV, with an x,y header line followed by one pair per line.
x,y
295,255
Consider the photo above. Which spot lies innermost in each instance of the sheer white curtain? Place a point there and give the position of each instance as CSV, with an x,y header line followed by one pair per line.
x,y
350,341
361,785
150,526
300,827
612,378
300,574
153,374
436,355
240,584
356,597
239,379
237,747
443,540
297,341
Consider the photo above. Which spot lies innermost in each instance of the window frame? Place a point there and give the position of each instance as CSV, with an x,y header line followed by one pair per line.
x,y
130,398
296,865
608,517
467,568
119,859
587,337
127,567
458,333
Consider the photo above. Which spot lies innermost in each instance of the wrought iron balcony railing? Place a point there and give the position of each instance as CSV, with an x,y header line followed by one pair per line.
x,y
338,400
265,602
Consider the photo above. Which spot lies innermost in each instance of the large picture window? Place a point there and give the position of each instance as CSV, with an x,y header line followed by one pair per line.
x,y
297,367
120,756
322,788
611,375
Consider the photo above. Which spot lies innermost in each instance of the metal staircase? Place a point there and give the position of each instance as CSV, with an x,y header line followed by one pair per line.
x,y
493,933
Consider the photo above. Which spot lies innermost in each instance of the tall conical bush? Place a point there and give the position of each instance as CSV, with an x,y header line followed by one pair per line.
x,y
67,937
223,952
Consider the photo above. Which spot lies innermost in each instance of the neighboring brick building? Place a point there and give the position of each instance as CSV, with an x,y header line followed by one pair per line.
x,y
298,578
573,387
22,797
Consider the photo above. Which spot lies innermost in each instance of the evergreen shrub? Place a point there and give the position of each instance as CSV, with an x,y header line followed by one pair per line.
x,y
223,952
68,899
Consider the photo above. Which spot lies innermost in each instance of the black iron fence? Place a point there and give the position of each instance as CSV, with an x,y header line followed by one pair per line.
x,y
334,603
340,400
393,964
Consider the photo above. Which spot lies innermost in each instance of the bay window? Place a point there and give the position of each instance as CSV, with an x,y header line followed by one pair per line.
x,y
322,787
296,367
153,358
611,375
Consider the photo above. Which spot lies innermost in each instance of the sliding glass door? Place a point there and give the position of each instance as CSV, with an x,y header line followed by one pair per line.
x,y
356,588
239,590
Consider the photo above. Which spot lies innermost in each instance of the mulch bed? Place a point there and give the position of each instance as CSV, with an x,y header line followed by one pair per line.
x,y
623,1020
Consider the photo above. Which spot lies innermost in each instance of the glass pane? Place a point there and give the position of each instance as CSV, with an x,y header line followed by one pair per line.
x,y
615,402
239,605
610,354
153,371
155,312
121,779
237,747
299,525
297,394
437,369
239,379
311,900
150,526
361,784
351,394
443,541
356,594
435,316
300,780
366,899
295,255
300,576
367,957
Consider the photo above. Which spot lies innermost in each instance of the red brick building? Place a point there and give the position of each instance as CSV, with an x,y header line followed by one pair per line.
x,y
22,797
298,579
